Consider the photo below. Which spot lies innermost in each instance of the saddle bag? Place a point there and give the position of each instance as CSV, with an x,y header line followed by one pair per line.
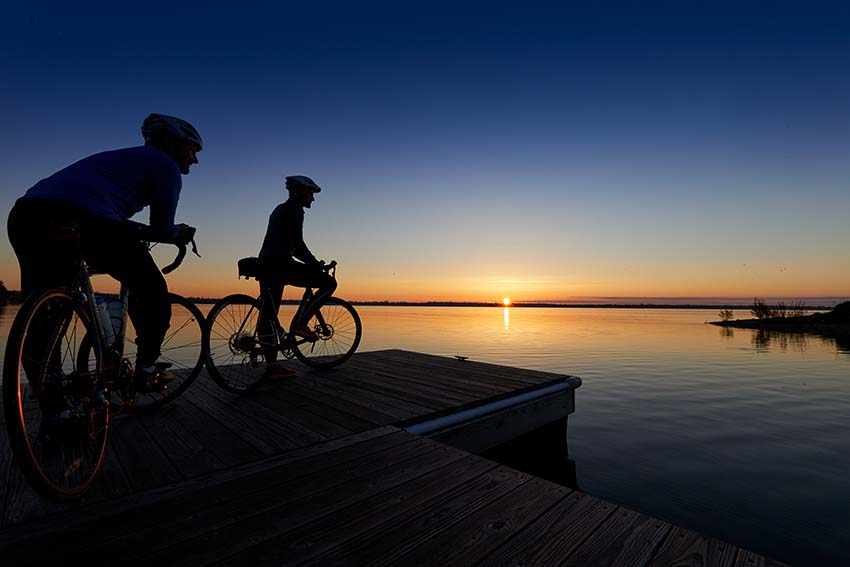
x,y
248,267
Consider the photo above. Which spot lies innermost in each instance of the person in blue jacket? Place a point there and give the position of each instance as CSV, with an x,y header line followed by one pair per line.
x,y
99,194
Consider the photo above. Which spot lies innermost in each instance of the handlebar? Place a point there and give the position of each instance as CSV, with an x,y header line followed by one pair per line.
x,y
181,255
330,268
186,237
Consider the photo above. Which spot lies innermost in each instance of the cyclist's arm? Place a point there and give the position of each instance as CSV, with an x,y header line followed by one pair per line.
x,y
296,237
163,207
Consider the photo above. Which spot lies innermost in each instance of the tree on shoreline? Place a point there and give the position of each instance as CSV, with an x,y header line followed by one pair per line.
x,y
4,293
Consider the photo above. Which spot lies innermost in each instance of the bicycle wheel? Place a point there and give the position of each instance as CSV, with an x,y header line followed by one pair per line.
x,y
339,329
56,415
182,347
236,358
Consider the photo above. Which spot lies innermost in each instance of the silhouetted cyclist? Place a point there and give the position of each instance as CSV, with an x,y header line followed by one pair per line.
x,y
284,259
99,194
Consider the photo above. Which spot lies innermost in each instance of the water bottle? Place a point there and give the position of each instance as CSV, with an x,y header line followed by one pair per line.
x,y
108,331
115,307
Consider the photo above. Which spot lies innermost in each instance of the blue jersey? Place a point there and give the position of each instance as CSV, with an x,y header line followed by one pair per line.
x,y
118,184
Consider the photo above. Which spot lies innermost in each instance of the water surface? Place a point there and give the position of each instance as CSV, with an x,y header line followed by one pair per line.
x,y
738,434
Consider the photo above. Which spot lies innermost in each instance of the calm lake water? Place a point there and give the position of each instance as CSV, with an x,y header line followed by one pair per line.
x,y
734,433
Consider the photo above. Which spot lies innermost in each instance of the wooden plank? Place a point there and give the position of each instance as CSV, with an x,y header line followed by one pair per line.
x,y
6,465
185,451
114,522
318,407
259,425
378,401
355,376
472,367
430,398
111,481
408,373
555,535
297,433
290,509
280,402
143,462
22,503
685,548
227,446
749,559
387,542
309,539
338,400
625,538
477,535
461,372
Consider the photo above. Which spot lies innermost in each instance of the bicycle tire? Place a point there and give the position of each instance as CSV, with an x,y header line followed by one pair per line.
x,y
339,337
60,458
182,346
234,357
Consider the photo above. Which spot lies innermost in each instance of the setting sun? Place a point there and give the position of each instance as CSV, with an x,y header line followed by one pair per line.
x,y
506,301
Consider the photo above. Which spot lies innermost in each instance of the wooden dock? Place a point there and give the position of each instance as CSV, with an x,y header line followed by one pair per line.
x,y
365,464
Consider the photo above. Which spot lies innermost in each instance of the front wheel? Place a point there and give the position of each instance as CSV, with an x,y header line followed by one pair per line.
x,y
182,347
339,329
56,413
236,351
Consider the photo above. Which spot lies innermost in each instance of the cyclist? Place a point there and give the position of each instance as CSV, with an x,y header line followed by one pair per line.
x,y
99,194
285,259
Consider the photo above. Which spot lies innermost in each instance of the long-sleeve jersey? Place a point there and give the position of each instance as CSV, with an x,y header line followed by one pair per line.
x,y
285,236
118,184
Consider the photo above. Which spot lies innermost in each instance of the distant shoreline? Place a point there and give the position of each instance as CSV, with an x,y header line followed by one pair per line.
x,y
13,300
569,305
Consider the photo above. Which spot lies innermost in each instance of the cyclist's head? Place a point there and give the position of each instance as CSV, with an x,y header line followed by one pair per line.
x,y
302,188
176,137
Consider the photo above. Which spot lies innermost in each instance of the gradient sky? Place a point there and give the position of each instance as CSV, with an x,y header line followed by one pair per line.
x,y
468,151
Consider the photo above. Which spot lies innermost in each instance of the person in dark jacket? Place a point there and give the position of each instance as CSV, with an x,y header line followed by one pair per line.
x,y
285,259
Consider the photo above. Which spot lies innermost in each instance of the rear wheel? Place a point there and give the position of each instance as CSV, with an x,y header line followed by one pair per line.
x,y
339,329
55,412
236,356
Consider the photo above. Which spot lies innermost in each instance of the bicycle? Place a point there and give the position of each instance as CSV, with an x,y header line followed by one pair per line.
x,y
236,352
58,352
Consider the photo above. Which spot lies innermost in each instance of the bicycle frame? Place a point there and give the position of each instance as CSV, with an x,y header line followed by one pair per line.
x,y
287,340
102,348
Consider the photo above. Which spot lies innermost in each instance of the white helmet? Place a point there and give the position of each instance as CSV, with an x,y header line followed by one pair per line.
x,y
301,182
176,126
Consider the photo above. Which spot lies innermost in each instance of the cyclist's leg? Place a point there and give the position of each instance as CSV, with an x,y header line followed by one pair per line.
x,y
44,264
116,250
271,294
302,275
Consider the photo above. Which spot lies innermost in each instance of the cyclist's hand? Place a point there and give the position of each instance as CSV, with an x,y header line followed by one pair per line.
x,y
185,234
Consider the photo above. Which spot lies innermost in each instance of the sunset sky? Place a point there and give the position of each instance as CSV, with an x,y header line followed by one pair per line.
x,y
468,150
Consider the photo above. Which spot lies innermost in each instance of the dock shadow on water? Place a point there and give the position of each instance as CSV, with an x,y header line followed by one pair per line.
x,y
543,452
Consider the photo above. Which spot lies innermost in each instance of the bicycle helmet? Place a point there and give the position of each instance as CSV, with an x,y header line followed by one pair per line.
x,y
177,127
296,182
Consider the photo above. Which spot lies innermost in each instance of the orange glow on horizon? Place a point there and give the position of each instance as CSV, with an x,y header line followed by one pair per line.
x,y
506,302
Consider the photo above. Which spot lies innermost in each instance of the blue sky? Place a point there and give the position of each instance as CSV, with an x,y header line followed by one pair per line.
x,y
471,151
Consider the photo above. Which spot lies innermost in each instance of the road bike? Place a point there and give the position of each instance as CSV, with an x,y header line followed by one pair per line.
x,y
60,353
237,352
